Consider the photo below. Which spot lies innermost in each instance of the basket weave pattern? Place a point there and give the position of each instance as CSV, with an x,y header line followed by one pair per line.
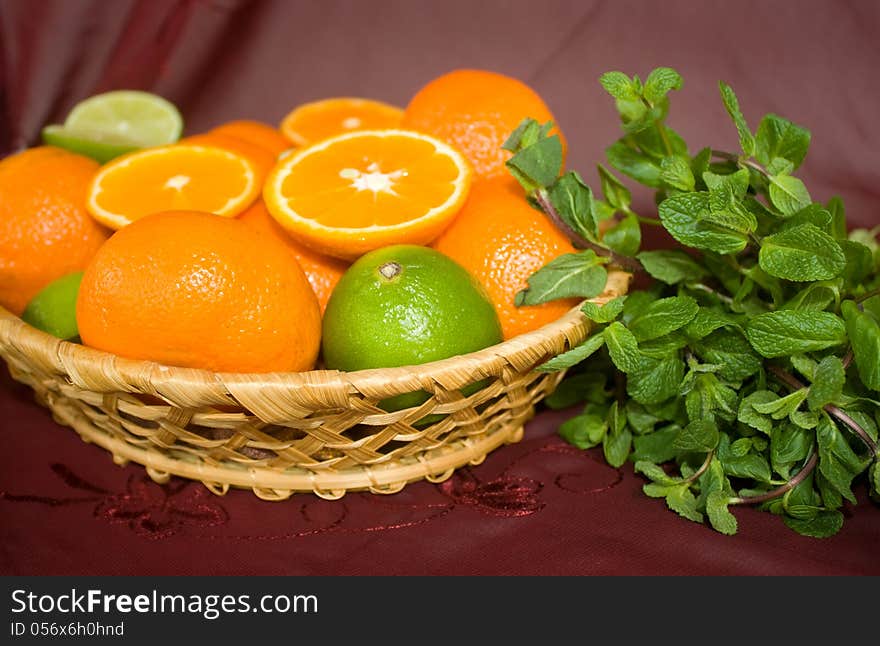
x,y
320,431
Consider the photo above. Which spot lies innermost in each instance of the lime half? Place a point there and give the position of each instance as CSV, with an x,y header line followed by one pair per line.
x,y
141,118
100,146
53,309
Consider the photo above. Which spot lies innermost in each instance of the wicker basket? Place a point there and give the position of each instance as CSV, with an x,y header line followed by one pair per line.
x,y
276,434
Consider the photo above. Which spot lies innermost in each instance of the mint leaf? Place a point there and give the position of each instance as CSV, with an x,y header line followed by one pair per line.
x,y
616,194
782,407
604,313
685,217
700,435
573,200
719,516
526,133
589,386
619,86
749,466
864,334
634,164
655,446
780,138
664,345
537,165
571,275
731,352
671,266
655,380
814,214
675,172
746,140
822,525
680,499
803,253
726,191
663,316
705,322
640,419
655,473
700,162
736,219
789,445
788,194
827,383
838,217
583,431
837,461
573,356
748,414
622,347
616,447
859,261
777,334
815,296
660,82
626,237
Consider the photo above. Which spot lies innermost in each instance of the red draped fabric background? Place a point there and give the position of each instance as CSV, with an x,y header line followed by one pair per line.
x,y
539,507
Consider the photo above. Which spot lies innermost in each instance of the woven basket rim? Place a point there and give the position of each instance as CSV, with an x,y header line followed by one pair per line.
x,y
74,359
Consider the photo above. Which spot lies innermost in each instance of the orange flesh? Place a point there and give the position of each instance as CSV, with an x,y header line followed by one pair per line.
x,y
408,178
322,119
181,178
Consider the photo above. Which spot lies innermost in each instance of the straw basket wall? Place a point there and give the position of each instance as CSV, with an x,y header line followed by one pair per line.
x,y
320,431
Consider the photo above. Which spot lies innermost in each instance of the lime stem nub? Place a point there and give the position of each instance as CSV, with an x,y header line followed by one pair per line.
x,y
390,270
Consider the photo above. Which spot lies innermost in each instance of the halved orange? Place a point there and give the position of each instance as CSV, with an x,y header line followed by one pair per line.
x,y
318,120
262,158
356,192
255,132
176,177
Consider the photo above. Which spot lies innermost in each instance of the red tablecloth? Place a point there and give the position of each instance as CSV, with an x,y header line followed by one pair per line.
x,y
539,507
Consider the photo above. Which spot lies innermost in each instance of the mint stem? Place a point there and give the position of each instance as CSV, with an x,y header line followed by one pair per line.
x,y
866,296
781,490
794,383
660,128
696,474
747,163
724,298
654,222
543,200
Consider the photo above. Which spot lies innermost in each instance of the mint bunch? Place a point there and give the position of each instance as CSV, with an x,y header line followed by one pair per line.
x,y
749,371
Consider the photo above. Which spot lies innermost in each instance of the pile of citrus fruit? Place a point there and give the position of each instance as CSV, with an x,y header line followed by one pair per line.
x,y
354,235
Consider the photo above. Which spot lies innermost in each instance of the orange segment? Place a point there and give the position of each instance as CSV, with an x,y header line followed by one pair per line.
x,y
318,120
360,191
177,177
255,132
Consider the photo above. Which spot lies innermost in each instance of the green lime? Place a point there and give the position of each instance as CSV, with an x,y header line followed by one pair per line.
x,y
100,146
405,305
53,309
142,118
107,125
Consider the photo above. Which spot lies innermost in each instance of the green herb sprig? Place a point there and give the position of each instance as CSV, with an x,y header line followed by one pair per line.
x,y
749,371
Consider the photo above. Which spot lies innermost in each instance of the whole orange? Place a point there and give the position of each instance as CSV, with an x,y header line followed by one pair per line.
x,y
502,241
45,230
192,289
475,111
322,271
